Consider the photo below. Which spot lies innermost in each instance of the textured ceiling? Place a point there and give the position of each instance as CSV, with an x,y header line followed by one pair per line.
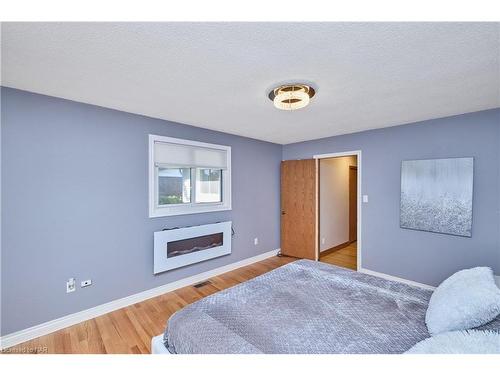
x,y
217,75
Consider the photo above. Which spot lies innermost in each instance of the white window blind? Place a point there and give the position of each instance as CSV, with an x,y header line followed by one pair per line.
x,y
180,155
187,177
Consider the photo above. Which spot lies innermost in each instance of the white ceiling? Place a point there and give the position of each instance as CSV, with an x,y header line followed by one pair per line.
x,y
218,75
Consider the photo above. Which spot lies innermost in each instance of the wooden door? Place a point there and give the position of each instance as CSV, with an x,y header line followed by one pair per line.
x,y
353,203
298,208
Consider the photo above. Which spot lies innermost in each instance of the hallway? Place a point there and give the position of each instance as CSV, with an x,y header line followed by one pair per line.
x,y
345,257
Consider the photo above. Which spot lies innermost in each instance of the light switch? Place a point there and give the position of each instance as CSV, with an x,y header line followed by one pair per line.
x,y
365,198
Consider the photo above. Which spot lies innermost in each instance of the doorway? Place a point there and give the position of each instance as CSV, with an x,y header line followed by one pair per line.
x,y
301,207
338,210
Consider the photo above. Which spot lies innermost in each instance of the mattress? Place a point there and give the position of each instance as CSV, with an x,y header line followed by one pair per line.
x,y
303,307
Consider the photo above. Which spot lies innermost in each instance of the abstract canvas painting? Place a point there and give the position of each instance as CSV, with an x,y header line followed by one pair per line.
x,y
436,195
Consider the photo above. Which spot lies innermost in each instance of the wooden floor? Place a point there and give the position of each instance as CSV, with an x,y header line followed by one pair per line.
x,y
345,257
129,330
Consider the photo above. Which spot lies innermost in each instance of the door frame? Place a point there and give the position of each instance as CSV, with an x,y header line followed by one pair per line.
x,y
356,153
351,168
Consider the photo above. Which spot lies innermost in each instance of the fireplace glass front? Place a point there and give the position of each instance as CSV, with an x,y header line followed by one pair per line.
x,y
194,244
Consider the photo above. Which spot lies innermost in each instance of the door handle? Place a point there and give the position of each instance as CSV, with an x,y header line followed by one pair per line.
x,y
283,212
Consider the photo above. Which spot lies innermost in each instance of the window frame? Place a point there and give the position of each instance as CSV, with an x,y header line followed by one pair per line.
x,y
156,210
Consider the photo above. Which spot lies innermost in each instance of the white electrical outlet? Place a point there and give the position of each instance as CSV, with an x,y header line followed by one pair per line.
x,y
323,241
85,283
70,285
255,241
365,198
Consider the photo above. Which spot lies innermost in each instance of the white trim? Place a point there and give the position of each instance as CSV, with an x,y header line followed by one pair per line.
x,y
337,154
409,282
192,208
359,243
316,222
394,278
157,345
69,320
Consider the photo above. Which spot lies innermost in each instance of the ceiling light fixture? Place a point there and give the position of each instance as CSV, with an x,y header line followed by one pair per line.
x,y
292,96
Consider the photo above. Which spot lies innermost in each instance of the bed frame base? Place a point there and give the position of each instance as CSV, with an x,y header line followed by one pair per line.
x,y
157,346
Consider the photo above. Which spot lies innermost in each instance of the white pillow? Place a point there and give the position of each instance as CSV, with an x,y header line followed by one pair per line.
x,y
467,299
459,342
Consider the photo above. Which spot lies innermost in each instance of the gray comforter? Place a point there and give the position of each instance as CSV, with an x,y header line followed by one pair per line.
x,y
303,307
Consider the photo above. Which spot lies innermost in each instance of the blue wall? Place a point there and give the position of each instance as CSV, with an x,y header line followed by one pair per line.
x,y
75,204
75,201
422,256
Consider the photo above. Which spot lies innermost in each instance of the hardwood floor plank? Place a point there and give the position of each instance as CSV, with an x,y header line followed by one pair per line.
x,y
94,341
144,329
345,257
127,332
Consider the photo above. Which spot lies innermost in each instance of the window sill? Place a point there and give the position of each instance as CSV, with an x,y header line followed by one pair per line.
x,y
176,211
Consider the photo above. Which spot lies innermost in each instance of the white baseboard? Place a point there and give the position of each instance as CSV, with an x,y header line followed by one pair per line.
x,y
394,278
69,320
410,282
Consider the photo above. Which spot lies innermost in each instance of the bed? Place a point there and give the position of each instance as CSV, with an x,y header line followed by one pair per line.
x,y
302,307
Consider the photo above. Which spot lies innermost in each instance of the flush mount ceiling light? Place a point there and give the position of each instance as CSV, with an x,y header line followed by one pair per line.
x,y
292,96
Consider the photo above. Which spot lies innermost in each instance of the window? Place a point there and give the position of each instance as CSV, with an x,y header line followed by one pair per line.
x,y
188,177
174,185
208,185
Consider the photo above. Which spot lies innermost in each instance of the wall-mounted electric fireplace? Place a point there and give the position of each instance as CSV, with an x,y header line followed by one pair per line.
x,y
192,245
183,246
